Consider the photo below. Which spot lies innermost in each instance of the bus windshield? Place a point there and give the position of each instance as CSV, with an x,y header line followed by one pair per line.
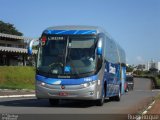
x,y
76,53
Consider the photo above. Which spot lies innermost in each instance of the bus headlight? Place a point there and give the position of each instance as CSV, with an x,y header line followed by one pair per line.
x,y
88,84
43,84
85,84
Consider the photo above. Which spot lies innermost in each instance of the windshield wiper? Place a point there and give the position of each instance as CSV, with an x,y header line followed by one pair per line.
x,y
66,52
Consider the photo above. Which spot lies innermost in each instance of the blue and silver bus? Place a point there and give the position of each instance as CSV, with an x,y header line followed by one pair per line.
x,y
79,63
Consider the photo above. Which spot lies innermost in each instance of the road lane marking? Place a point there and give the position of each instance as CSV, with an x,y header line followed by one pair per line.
x,y
15,96
152,103
149,107
146,110
143,90
156,90
139,118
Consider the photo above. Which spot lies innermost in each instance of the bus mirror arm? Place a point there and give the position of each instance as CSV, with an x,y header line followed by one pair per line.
x,y
30,45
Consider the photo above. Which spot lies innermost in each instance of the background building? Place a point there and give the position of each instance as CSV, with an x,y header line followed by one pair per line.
x,y
153,64
13,50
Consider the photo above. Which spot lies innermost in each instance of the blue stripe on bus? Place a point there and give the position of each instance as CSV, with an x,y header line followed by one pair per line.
x,y
66,81
70,32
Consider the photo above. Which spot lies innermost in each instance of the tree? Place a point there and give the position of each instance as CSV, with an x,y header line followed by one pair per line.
x,y
129,68
153,70
138,72
8,28
141,67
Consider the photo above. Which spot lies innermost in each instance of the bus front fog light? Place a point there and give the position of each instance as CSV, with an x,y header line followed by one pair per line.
x,y
91,92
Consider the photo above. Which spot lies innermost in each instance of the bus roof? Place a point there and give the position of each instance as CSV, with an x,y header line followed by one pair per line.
x,y
74,29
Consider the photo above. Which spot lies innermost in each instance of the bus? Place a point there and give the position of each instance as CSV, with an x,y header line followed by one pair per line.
x,y
79,63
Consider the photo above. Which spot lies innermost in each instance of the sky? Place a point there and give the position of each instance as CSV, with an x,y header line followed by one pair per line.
x,y
134,24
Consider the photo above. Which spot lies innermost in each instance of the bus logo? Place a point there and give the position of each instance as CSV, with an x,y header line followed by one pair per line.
x,y
62,87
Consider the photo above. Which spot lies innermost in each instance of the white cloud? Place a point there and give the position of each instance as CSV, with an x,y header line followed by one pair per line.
x,y
140,59
127,60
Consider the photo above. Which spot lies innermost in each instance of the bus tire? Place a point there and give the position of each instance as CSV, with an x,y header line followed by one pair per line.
x,y
111,98
53,101
118,97
132,87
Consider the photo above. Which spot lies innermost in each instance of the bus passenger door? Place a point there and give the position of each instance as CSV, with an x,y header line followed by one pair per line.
x,y
111,79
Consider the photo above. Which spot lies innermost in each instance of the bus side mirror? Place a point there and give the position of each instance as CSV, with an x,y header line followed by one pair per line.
x,y
99,47
30,45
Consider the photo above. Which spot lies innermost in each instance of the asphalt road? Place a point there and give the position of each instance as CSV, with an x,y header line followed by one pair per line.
x,y
130,103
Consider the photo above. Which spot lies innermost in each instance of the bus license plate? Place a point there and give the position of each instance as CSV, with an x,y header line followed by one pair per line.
x,y
63,94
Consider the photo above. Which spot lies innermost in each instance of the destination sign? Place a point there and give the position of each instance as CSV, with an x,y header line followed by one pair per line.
x,y
55,38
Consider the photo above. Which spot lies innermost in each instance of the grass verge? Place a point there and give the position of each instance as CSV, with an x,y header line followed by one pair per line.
x,y
158,97
17,77
158,82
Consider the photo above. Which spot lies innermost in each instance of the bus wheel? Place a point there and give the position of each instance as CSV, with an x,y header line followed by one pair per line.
x,y
118,97
53,101
111,98
101,101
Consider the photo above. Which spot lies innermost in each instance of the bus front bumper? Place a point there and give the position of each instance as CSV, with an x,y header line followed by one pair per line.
x,y
87,91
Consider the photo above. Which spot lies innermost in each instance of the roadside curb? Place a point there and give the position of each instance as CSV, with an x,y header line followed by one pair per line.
x,y
146,110
15,96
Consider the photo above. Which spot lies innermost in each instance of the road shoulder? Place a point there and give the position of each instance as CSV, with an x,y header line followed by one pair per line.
x,y
155,108
4,93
